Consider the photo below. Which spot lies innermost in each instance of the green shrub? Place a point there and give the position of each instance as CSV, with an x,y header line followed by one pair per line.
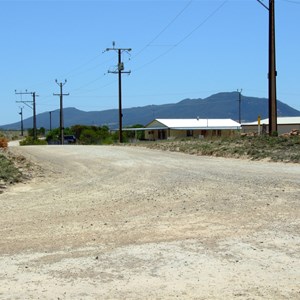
x,y
54,135
8,172
30,141
89,136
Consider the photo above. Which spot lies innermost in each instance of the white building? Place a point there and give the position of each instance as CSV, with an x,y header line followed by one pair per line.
x,y
284,125
160,129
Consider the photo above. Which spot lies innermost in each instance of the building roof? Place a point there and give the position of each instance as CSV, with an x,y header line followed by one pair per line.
x,y
193,124
280,121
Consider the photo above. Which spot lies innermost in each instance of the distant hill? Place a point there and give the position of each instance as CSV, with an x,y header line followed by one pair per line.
x,y
221,105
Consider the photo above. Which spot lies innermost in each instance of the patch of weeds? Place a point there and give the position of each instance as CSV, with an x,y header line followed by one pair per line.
x,y
30,141
207,149
282,148
295,158
8,172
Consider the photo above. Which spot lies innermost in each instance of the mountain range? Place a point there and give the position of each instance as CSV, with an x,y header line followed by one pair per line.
x,y
217,106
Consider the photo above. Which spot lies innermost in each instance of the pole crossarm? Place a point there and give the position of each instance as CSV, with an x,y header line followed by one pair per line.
x,y
117,49
24,93
117,72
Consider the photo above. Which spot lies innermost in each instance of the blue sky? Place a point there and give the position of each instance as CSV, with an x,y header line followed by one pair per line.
x,y
180,49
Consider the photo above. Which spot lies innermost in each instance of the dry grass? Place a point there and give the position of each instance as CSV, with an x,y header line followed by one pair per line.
x,y
14,168
10,135
277,149
3,142
8,172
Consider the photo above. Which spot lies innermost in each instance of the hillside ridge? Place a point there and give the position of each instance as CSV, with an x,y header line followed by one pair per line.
x,y
223,105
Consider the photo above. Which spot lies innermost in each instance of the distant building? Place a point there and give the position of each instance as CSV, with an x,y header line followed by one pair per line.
x,y
284,125
160,129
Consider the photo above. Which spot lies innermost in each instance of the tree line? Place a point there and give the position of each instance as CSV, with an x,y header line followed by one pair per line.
x,y
85,135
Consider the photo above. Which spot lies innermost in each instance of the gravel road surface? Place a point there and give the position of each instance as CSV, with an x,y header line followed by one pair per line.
x,y
116,222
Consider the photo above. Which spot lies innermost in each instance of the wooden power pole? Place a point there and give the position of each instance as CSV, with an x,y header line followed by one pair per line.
x,y
120,71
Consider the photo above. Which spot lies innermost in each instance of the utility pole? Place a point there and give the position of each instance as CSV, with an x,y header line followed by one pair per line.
x,y
272,68
272,71
120,71
50,128
34,116
22,127
61,122
33,107
240,102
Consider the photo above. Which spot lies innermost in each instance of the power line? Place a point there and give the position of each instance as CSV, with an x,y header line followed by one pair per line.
x,y
83,64
94,58
185,37
240,102
120,71
292,1
89,83
203,22
90,69
61,123
272,71
22,127
165,28
33,107
272,68
148,44
80,73
264,5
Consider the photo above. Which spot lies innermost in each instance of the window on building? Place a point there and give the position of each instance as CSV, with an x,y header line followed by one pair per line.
x,y
216,133
189,133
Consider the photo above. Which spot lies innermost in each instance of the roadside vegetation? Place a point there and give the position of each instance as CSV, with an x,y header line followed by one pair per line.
x,y
29,140
10,135
276,149
13,168
93,135
9,173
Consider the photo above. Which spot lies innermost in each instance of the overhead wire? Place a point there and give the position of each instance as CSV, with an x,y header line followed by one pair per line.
x,y
84,64
292,1
94,67
157,36
165,28
185,37
144,48
202,23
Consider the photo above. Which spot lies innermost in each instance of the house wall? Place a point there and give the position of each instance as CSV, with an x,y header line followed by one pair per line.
x,y
221,133
157,134
287,128
149,135
193,133
282,128
177,134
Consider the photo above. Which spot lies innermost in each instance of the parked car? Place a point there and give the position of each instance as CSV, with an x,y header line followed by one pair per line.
x,y
69,139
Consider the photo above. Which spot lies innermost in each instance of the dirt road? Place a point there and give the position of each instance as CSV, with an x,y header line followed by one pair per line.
x,y
112,222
